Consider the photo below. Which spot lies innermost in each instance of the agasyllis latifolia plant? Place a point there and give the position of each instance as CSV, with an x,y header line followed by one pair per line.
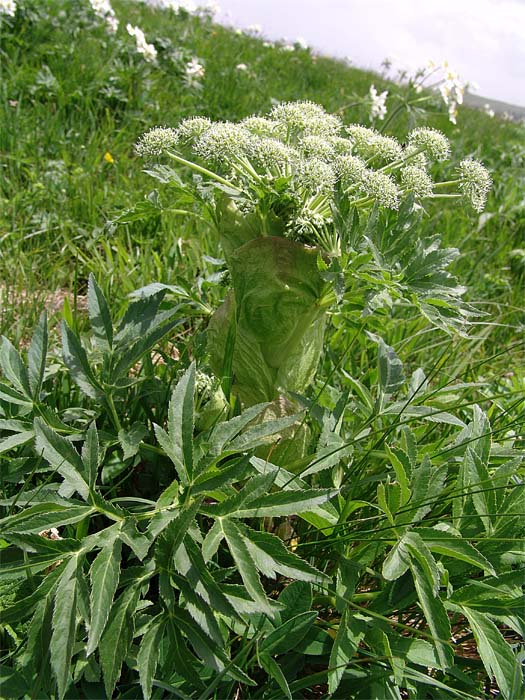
x,y
308,210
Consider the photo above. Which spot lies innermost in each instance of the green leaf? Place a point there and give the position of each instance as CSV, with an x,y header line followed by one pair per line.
x,y
148,655
397,561
13,367
296,598
130,439
401,474
64,624
223,433
43,516
245,564
14,397
441,541
91,455
276,504
432,607
481,488
76,360
62,456
258,434
117,637
273,669
36,356
42,545
271,556
139,542
350,632
178,441
496,654
99,316
390,367
15,440
104,575
287,635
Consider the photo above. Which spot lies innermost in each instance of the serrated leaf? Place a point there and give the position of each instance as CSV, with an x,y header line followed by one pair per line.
x,y
178,441
148,655
396,562
287,635
75,358
390,367
433,610
42,545
224,433
442,542
12,396
99,316
64,625
259,434
91,455
139,542
104,576
130,439
62,456
43,516
350,632
36,356
271,556
245,564
497,656
13,368
277,504
117,637
15,440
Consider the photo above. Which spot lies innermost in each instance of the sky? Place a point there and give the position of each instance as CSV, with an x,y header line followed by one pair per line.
x,y
483,40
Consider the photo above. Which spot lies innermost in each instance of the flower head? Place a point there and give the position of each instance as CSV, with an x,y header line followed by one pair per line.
x,y
223,142
262,126
103,9
191,128
306,118
316,147
194,69
350,169
475,182
382,188
157,141
416,180
431,142
316,176
368,143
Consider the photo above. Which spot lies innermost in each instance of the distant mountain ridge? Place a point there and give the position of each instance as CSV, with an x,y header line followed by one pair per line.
x,y
497,105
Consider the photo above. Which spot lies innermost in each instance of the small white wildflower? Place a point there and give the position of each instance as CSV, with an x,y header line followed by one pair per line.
x,y
488,110
341,145
103,9
288,47
194,69
255,29
431,141
204,383
223,141
147,50
8,7
241,67
175,5
378,103
350,169
453,112
316,176
475,182
315,146
267,44
306,117
301,42
382,188
416,180
157,141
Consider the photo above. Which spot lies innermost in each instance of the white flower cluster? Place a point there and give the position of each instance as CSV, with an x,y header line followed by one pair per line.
x,y
147,50
103,9
8,7
302,159
194,71
452,90
377,103
475,182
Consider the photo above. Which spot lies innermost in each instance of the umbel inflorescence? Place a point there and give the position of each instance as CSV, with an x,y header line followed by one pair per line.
x,y
295,163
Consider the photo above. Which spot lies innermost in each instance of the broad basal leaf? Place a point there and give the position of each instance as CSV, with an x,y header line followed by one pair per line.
x,y
104,575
